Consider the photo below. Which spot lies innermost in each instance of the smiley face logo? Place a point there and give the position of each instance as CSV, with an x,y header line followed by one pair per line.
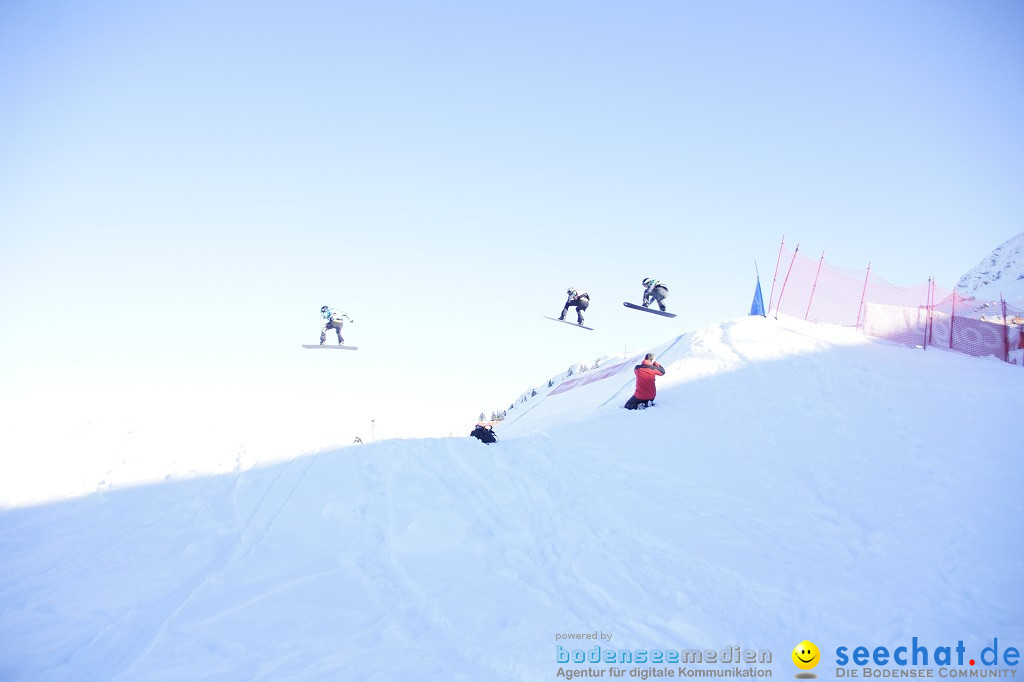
x,y
806,655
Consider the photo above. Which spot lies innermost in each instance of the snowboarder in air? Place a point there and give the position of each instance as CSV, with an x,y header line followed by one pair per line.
x,y
577,299
646,373
654,290
485,432
331,319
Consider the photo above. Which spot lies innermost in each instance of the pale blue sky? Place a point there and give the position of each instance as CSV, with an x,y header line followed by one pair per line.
x,y
183,185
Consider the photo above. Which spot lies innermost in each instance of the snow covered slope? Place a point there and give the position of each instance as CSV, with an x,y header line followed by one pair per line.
x,y
713,351
793,482
1001,272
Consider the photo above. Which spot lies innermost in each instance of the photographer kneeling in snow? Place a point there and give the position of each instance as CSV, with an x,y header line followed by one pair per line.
x,y
485,433
646,372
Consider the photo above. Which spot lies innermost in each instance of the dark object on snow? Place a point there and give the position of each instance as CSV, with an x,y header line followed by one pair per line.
x,y
485,433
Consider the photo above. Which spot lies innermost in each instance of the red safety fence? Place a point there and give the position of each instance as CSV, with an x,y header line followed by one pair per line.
x,y
923,315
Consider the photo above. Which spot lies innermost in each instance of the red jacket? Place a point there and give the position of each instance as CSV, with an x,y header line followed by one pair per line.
x,y
645,373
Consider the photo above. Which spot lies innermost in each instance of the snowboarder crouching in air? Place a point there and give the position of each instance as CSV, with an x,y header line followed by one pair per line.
x,y
578,299
646,373
331,319
485,433
654,290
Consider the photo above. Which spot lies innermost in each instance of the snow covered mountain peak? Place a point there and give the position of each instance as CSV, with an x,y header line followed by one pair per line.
x,y
1001,272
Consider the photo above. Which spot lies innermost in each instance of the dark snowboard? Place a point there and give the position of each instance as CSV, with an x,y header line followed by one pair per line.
x,y
568,322
648,310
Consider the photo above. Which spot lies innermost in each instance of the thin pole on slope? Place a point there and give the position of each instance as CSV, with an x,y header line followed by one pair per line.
x,y
928,315
775,277
815,286
1006,330
931,315
952,319
931,321
862,293
783,290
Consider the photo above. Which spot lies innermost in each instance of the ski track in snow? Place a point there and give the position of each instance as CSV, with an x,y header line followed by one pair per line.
x,y
791,481
274,500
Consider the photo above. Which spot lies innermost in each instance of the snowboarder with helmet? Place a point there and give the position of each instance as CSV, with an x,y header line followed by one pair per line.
x,y
331,319
577,299
654,290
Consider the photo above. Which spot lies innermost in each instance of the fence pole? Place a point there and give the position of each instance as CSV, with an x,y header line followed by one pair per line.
x,y
783,290
775,276
931,312
931,335
862,293
1006,331
1020,343
928,313
814,286
952,320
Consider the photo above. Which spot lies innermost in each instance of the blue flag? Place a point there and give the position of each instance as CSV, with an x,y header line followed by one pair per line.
x,y
757,307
